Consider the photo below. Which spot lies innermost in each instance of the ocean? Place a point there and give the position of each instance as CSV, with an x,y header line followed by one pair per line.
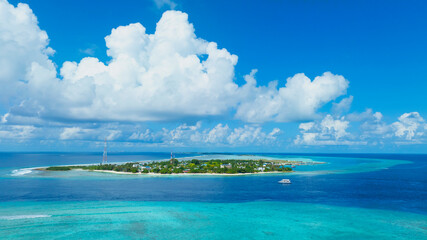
x,y
352,196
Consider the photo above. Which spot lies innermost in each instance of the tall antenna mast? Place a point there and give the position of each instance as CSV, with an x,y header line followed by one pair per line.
x,y
104,156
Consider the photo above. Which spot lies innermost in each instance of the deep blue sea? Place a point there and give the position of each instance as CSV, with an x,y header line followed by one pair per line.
x,y
352,196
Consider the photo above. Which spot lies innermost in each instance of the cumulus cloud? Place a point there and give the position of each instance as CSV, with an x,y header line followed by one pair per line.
x,y
181,132
221,134
164,76
367,115
328,131
72,133
184,135
156,76
252,135
17,132
167,75
342,106
306,126
22,43
216,135
144,136
372,128
298,100
78,133
410,126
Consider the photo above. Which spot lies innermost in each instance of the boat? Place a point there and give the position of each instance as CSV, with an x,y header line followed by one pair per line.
x,y
285,181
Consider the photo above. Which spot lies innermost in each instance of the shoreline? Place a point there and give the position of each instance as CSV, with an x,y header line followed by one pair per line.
x,y
181,174
171,174
289,162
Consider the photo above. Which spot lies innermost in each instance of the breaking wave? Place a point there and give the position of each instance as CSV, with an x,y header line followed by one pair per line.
x,y
16,217
20,172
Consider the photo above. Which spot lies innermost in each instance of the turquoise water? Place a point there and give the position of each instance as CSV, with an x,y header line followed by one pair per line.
x,y
194,220
332,165
349,197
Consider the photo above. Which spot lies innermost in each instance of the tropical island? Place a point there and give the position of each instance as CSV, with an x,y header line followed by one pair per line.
x,y
194,166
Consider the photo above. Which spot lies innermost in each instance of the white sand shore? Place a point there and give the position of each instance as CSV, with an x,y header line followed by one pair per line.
x,y
183,174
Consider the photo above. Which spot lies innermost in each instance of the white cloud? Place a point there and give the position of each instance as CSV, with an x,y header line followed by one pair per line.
x,y
165,3
343,106
298,100
306,126
3,119
145,136
217,134
275,132
150,77
410,126
181,132
21,44
367,115
72,133
378,116
171,74
335,127
168,75
88,51
17,132
194,135
113,134
409,129
372,128
329,131
252,135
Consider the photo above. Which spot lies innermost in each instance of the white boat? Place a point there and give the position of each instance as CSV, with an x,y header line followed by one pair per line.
x,y
285,181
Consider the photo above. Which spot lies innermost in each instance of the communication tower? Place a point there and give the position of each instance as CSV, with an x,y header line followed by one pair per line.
x,y
104,155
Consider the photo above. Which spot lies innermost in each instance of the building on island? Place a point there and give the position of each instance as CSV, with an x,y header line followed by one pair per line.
x,y
228,165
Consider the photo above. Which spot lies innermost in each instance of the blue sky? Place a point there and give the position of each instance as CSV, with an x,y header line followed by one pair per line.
x,y
375,53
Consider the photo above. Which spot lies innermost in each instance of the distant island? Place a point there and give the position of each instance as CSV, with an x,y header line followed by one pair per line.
x,y
194,166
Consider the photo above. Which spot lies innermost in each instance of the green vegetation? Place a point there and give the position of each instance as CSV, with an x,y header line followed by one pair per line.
x,y
127,167
58,168
174,166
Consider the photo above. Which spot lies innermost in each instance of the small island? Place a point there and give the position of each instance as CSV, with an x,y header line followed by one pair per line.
x,y
194,166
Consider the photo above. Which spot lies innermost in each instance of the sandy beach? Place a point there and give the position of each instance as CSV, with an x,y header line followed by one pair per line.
x,y
181,174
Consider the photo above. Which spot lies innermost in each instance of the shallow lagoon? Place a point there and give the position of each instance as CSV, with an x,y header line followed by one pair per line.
x,y
333,165
184,220
352,196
